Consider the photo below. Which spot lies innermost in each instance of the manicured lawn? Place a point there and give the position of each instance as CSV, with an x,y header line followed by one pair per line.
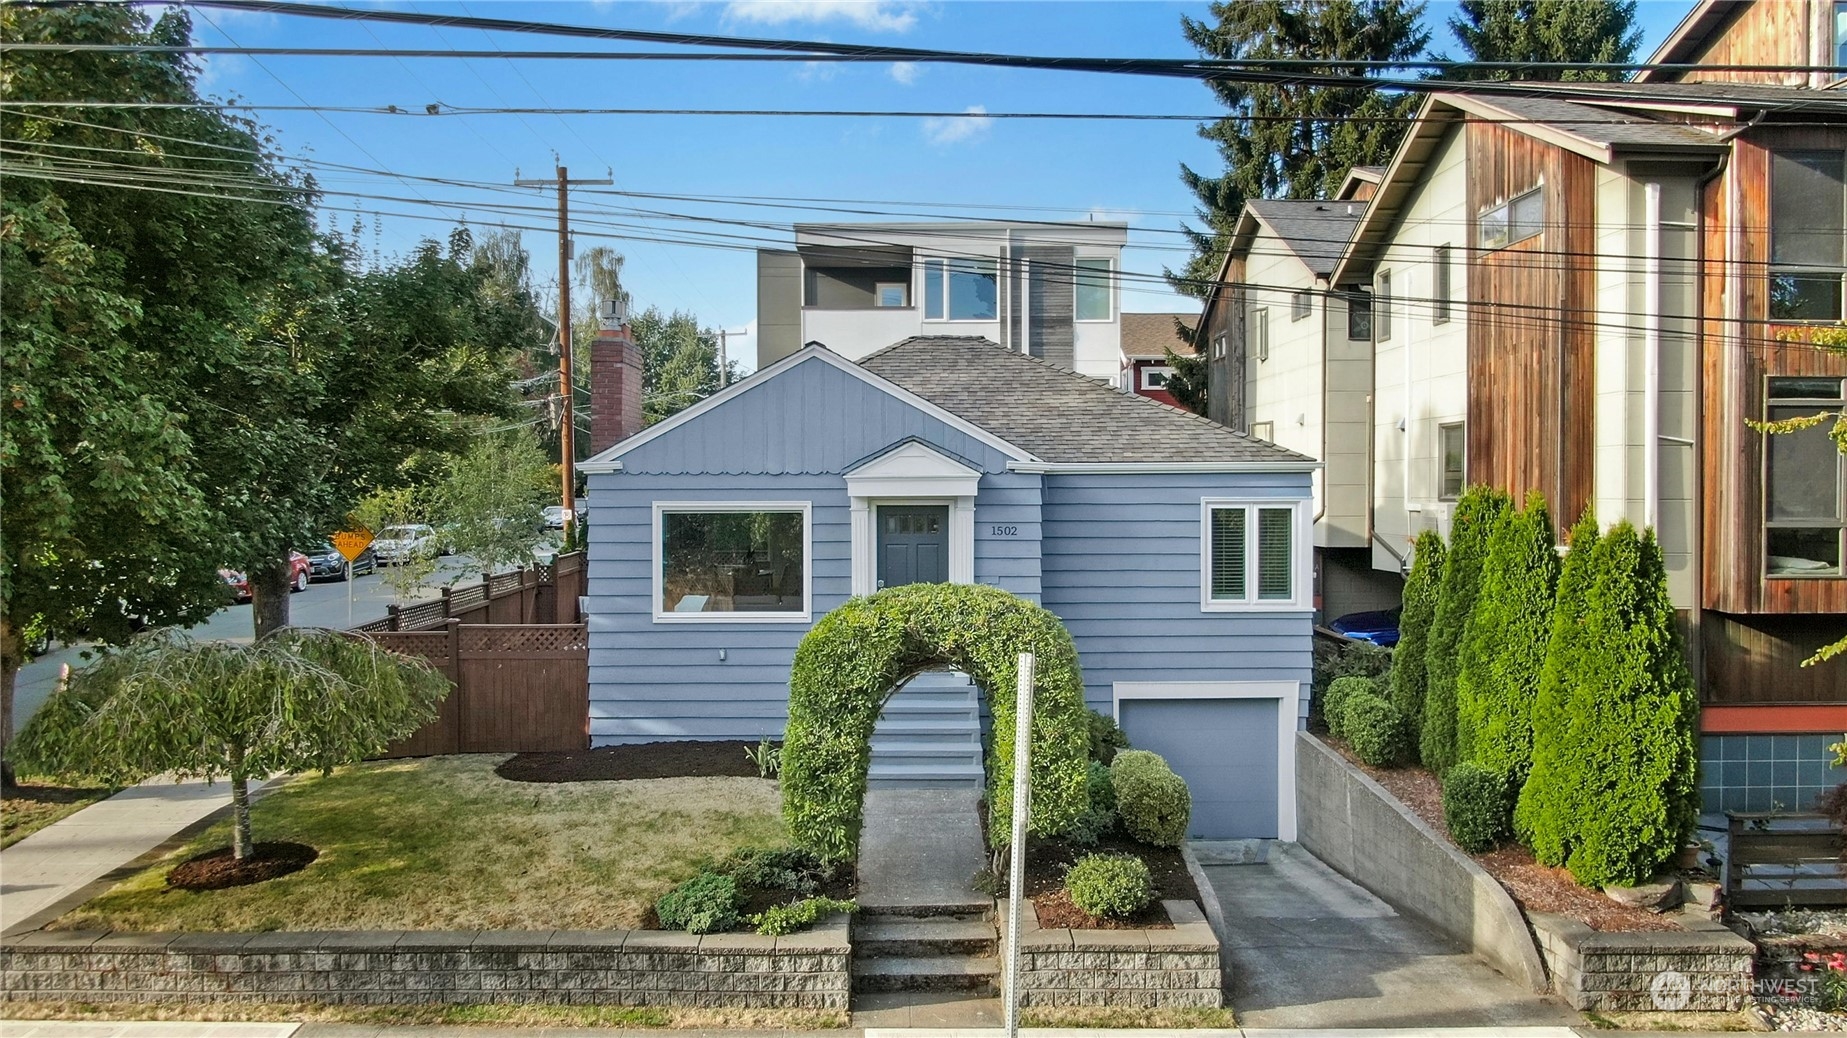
x,y
444,843
38,803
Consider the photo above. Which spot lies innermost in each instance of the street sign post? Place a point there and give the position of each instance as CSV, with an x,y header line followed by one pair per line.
x,y
351,544
1016,872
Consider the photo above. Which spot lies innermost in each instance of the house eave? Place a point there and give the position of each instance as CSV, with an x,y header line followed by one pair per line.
x,y
1128,468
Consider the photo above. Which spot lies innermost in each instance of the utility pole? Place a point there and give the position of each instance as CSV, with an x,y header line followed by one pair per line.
x,y
724,355
567,388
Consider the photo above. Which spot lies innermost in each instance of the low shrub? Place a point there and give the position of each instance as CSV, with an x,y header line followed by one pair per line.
x,y
1476,807
707,903
786,919
1100,817
1110,884
1339,696
1376,731
786,868
1106,737
1341,658
1151,801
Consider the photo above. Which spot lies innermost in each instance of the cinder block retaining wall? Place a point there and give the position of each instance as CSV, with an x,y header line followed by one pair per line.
x,y
1648,972
1364,833
1143,969
607,967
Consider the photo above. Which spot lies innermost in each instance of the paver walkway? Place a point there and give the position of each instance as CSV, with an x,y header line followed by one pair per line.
x,y
69,854
1309,948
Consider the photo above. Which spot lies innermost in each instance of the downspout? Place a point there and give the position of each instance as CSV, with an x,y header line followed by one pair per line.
x,y
1326,358
1651,355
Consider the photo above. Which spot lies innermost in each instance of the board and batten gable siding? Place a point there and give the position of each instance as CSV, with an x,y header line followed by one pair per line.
x,y
788,440
1121,568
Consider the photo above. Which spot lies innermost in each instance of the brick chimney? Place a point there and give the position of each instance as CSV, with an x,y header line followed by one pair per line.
x,y
615,382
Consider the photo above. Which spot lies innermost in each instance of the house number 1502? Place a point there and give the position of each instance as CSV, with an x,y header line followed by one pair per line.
x,y
1004,531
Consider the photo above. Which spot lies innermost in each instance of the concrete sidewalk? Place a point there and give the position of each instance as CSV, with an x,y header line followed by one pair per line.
x,y
101,1029
68,855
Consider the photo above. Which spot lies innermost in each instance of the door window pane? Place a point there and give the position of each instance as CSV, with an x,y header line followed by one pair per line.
x,y
1093,290
732,562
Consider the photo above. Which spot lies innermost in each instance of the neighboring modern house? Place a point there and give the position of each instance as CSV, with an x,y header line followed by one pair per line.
x,y
1146,341
1290,362
1175,550
1050,290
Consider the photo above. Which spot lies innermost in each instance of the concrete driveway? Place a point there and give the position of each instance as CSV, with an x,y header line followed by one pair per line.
x,y
1308,948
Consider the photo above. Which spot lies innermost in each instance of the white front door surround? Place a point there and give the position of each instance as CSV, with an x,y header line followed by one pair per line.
x,y
912,473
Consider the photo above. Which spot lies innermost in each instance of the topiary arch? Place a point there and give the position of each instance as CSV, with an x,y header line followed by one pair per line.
x,y
857,655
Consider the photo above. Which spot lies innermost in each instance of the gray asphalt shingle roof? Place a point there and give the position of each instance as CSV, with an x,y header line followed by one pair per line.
x,y
1599,125
1060,416
1315,231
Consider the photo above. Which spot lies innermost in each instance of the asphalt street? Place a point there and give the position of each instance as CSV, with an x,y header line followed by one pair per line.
x,y
324,604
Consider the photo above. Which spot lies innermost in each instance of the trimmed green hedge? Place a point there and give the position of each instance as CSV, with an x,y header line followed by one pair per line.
x,y
1376,731
1110,884
1340,695
1504,651
1152,802
1478,512
1410,674
1475,807
856,655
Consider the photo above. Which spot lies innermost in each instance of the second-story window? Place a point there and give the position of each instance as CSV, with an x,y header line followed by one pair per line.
x,y
959,290
1452,460
1094,293
1805,482
1840,32
1808,238
1301,304
891,294
1382,307
1260,333
1440,285
1517,219
1359,316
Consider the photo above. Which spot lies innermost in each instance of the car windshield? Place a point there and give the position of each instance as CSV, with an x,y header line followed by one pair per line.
x,y
322,548
402,533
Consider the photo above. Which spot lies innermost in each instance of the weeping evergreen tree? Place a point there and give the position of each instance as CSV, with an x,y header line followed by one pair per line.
x,y
1477,513
1409,675
1586,31
1551,795
1504,646
1295,140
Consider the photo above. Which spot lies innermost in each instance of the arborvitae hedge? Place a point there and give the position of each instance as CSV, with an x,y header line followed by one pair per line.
x,y
1631,719
1477,512
1504,646
1409,677
1551,798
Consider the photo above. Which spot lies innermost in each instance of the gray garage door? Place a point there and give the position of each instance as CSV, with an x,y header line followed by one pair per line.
x,y
1226,751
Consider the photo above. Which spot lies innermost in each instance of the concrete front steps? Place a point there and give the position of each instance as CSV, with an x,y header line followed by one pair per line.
x,y
929,735
926,952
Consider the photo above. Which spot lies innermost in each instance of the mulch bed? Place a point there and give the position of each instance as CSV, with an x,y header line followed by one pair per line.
x,y
216,870
1047,860
650,760
1536,887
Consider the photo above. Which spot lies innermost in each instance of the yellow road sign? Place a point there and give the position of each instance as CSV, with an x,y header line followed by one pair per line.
x,y
351,543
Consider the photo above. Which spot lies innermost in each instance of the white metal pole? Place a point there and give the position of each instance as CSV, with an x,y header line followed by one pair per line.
x,y
1016,877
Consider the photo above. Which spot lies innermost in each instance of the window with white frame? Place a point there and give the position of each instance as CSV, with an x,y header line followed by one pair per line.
x,y
1521,217
960,290
1260,333
1382,307
1220,346
1094,288
892,294
1359,316
1452,459
1301,304
1441,284
1155,376
1248,556
744,561
1265,431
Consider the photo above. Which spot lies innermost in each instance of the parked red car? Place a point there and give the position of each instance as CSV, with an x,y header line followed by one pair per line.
x,y
239,581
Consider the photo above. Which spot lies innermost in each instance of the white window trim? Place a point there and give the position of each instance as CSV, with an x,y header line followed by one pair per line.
x,y
880,286
1288,696
657,557
1155,369
865,532
1301,544
924,280
1109,285
1260,331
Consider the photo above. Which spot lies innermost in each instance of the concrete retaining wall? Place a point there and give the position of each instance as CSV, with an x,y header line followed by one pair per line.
x,y
1707,970
607,967
1365,834
1143,969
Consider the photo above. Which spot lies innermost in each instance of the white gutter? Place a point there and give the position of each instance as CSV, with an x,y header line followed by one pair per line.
x,y
1129,468
1651,354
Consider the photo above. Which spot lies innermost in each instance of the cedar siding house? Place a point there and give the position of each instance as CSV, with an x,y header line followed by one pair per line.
x,y
1175,550
1588,290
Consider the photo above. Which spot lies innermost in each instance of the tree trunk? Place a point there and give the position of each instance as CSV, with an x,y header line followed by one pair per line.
x,y
240,806
12,654
269,596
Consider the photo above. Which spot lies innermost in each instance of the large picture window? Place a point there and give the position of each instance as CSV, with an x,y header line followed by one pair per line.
x,y
1248,556
1094,293
959,290
1808,236
731,561
1805,487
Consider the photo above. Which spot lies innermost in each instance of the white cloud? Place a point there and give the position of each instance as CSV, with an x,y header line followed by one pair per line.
x,y
873,15
904,72
946,130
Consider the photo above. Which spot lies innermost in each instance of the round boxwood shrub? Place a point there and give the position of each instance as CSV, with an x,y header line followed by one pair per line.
x,y
1339,696
1376,731
707,903
1151,801
1476,807
850,663
1110,884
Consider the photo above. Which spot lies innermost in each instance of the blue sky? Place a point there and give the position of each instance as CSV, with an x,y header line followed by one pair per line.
x,y
969,167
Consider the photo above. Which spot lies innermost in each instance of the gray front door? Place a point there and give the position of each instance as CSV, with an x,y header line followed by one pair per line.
x,y
913,544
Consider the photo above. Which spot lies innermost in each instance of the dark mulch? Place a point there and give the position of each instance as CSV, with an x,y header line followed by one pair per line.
x,y
649,760
1047,860
216,870
1056,911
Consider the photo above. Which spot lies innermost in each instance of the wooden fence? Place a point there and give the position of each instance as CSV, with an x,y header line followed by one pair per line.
x,y
1774,860
529,595
519,688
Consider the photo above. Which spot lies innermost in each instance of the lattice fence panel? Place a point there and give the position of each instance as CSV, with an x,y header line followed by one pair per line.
x,y
523,639
421,615
504,583
431,645
467,597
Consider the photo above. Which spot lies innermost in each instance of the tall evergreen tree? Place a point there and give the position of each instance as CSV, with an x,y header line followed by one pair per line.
x,y
1504,646
1478,512
1588,31
1552,798
1410,677
1294,140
